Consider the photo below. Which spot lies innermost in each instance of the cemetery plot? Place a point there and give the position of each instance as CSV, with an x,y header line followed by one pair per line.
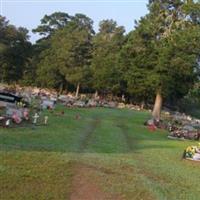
x,y
16,112
179,126
110,146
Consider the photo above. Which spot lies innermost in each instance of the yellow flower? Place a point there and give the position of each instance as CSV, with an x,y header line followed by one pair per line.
x,y
191,149
188,149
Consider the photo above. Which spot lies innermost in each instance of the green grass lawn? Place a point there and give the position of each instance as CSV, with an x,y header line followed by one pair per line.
x,y
124,157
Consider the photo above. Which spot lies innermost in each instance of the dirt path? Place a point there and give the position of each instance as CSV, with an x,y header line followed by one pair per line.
x,y
85,185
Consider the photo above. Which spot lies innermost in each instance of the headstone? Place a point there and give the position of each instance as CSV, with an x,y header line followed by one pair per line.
x,y
10,110
92,103
7,123
48,104
35,118
46,120
121,105
79,104
112,104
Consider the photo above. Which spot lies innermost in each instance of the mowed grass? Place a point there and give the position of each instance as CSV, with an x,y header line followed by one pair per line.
x,y
124,157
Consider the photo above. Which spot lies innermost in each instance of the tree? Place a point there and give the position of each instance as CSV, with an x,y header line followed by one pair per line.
x,y
47,74
165,50
14,51
178,51
69,53
105,57
137,68
51,23
75,52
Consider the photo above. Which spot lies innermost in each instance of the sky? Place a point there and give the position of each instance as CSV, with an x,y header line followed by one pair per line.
x,y
28,13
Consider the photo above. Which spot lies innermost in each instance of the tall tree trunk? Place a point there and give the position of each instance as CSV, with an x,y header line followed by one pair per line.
x,y
123,98
96,94
77,89
142,105
157,106
111,97
61,89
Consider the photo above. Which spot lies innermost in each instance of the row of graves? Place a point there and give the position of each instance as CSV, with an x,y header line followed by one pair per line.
x,y
48,98
20,111
180,127
24,107
184,127
92,102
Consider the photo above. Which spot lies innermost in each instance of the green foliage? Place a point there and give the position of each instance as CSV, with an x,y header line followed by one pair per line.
x,y
68,55
138,67
162,53
51,23
105,57
15,51
191,102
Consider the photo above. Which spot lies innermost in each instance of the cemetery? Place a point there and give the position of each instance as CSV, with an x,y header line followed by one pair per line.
x,y
49,124
100,100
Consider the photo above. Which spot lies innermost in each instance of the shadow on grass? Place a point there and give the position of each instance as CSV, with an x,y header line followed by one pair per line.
x,y
134,143
124,134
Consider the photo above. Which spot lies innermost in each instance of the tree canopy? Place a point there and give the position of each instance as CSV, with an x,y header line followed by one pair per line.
x,y
14,51
159,58
105,57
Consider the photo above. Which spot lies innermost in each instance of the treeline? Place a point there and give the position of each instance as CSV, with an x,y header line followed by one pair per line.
x,y
160,57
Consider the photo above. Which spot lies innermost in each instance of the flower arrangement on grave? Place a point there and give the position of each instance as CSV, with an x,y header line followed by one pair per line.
x,y
16,118
21,104
191,150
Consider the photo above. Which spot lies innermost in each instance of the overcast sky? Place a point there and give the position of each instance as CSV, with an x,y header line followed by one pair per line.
x,y
27,13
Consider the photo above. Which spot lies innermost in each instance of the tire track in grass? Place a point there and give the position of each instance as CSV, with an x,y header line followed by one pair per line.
x,y
83,186
87,134
128,139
